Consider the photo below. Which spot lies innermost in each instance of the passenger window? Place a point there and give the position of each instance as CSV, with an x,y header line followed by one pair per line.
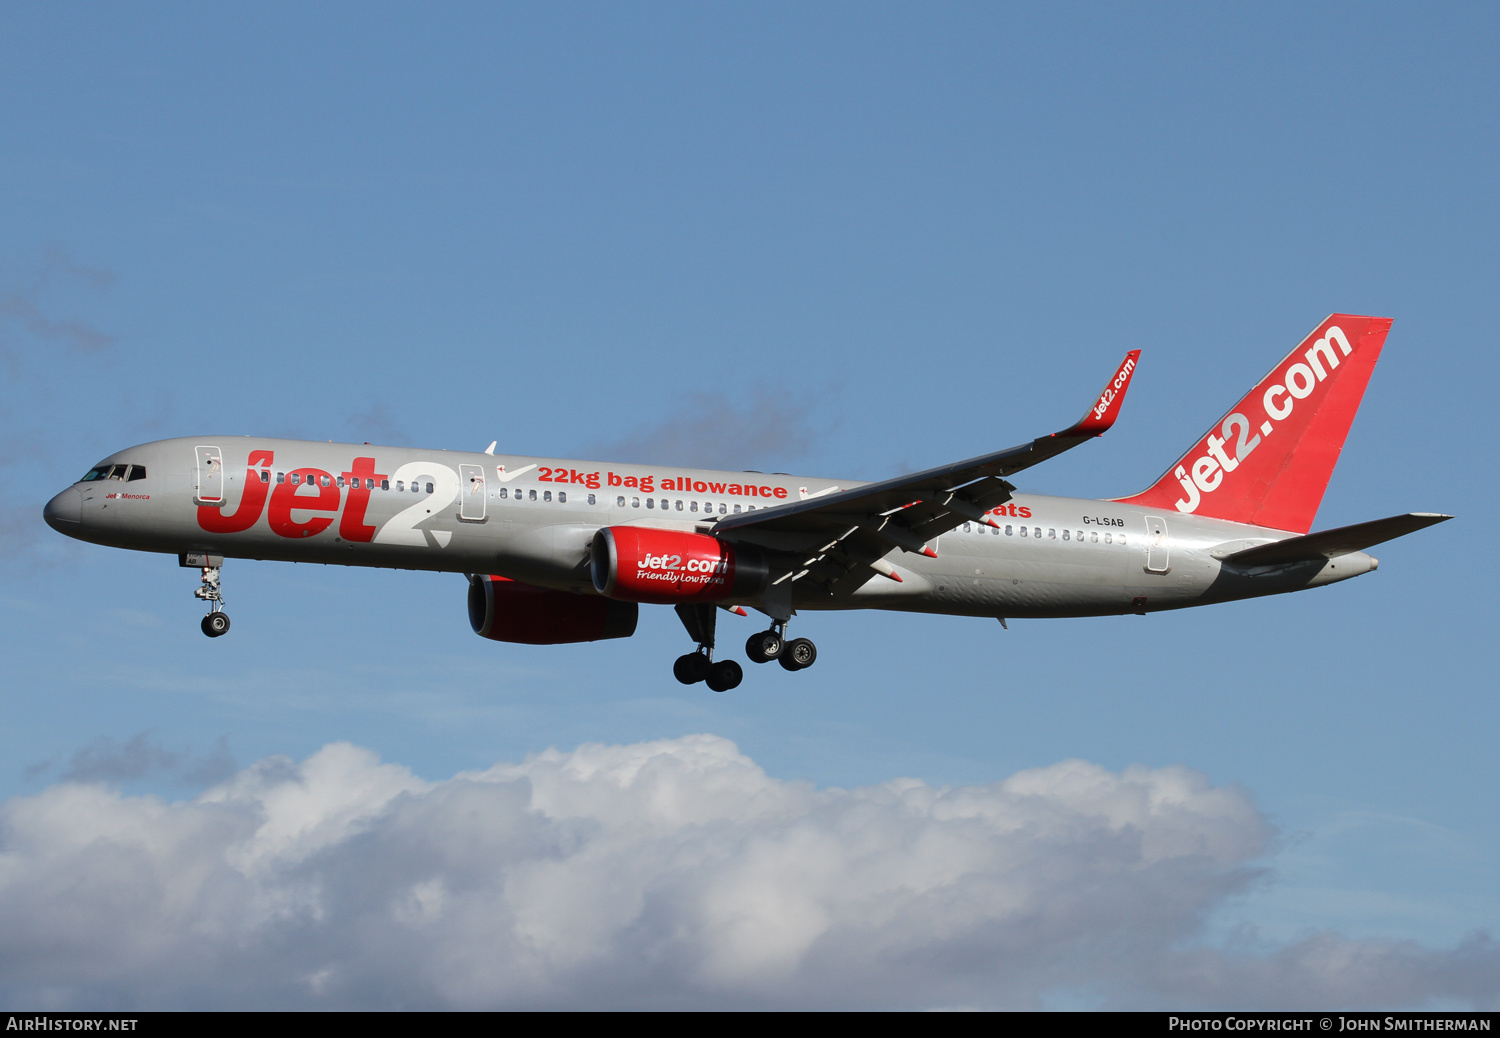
x,y
385,484
1078,536
341,483
592,499
1065,535
1122,538
429,488
1036,531
679,504
1107,538
1094,537
296,479
635,502
749,508
546,495
650,502
736,509
724,509
694,507
619,502
324,481
1007,531
1051,533
562,497
966,527
504,493
281,477
531,495
400,486
1023,531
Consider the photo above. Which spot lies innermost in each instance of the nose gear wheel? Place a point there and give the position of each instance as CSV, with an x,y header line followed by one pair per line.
x,y
216,623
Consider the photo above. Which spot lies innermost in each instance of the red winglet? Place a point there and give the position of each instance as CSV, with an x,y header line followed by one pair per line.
x,y
1107,408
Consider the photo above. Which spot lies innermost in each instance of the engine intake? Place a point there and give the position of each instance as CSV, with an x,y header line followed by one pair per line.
x,y
640,564
505,610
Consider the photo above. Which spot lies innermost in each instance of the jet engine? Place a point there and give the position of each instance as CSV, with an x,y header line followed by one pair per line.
x,y
639,564
507,610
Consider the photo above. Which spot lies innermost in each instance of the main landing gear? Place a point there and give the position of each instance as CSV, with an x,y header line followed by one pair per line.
x,y
765,646
216,623
699,665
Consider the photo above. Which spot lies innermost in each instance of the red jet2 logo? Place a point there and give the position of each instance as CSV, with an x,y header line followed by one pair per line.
x,y
308,490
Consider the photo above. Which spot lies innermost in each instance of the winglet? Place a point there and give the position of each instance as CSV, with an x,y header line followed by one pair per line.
x,y
1107,408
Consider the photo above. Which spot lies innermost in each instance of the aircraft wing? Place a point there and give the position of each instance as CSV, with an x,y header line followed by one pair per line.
x,y
842,536
1330,544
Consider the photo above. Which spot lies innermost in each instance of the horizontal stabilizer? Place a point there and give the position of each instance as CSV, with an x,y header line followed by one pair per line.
x,y
1329,544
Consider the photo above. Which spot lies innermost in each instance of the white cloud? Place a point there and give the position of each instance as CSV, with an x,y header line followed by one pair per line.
x,y
667,874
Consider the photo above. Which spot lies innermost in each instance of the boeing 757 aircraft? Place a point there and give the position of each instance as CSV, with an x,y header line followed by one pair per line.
x,y
567,551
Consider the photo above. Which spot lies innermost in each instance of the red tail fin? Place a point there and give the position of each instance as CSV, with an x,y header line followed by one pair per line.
x,y
1268,461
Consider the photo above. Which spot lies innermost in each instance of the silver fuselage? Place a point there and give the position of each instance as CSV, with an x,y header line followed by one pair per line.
x,y
532,519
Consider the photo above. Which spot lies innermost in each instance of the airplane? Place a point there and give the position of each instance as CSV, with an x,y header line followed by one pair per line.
x,y
559,551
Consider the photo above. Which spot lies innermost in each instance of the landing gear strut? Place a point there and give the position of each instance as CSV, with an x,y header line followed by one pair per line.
x,y
216,623
699,665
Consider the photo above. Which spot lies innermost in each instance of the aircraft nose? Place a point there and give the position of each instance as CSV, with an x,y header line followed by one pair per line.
x,y
64,513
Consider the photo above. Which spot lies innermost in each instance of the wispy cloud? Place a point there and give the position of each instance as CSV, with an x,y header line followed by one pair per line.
x,y
24,311
664,874
141,756
38,316
765,430
376,424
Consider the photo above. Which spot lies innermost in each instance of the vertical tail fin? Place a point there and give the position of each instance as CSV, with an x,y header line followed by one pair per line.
x,y
1268,461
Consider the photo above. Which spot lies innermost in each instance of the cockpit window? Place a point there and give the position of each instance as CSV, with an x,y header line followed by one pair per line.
x,y
120,472
139,472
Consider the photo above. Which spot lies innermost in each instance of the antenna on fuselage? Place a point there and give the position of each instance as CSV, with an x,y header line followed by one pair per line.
x,y
491,448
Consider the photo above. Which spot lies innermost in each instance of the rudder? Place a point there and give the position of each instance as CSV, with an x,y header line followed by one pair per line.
x,y
1268,461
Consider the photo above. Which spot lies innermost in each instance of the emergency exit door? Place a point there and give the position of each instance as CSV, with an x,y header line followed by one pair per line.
x,y
1157,546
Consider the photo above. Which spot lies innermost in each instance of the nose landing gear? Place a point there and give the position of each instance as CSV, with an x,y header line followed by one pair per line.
x,y
216,623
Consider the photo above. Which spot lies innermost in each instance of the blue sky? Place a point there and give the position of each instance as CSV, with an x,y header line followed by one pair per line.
x,y
843,240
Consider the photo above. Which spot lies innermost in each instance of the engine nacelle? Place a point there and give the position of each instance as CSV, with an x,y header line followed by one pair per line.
x,y
507,610
639,564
